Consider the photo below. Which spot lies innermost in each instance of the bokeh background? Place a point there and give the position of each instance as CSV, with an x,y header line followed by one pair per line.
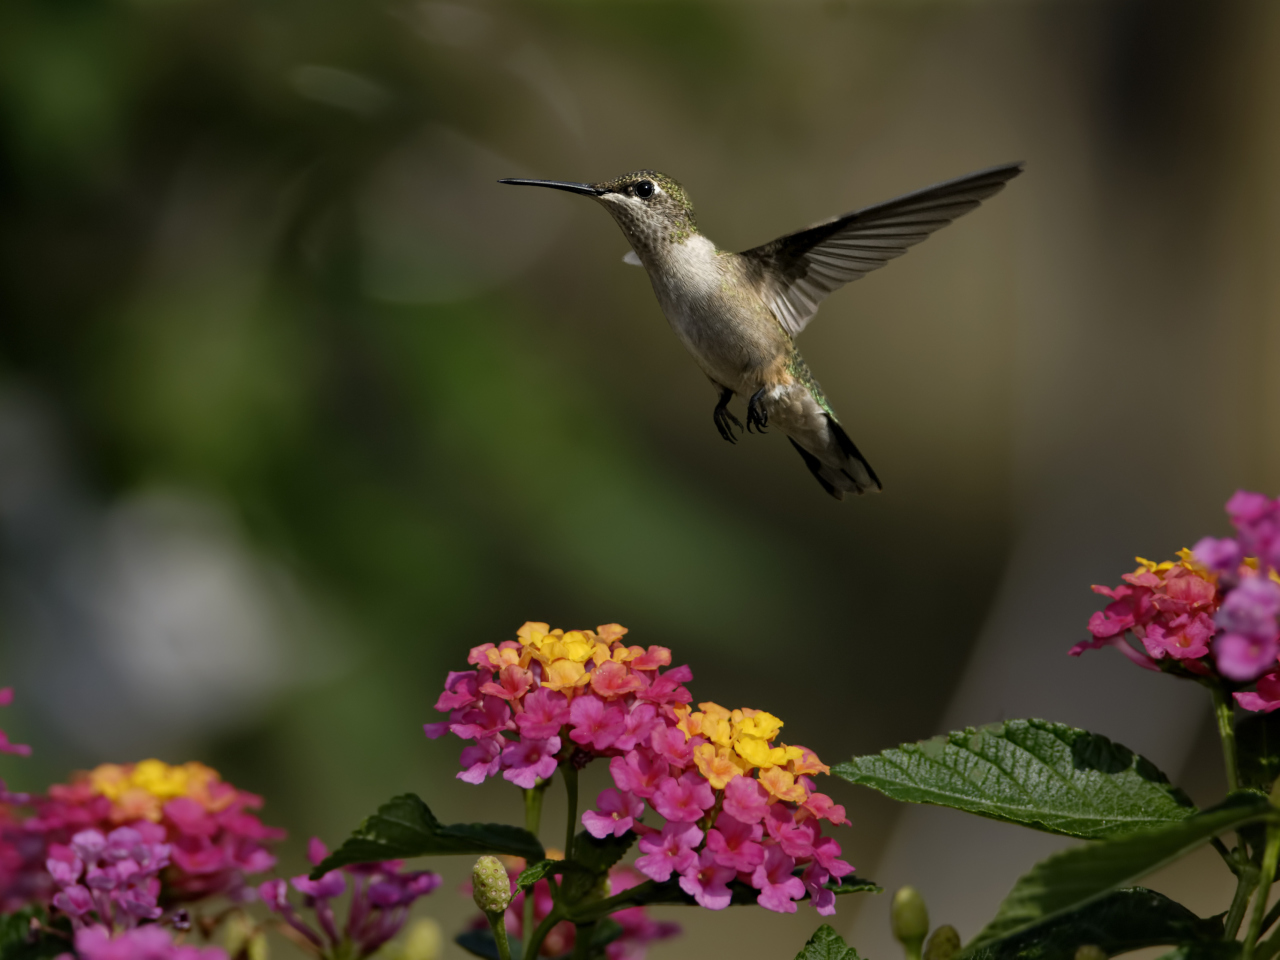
x,y
297,404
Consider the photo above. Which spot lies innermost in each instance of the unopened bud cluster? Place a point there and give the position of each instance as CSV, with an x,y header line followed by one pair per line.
x,y
491,886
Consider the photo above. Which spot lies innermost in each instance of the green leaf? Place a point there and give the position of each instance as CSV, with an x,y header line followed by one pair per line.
x,y
593,858
1258,749
1042,775
1121,921
651,892
599,855
543,868
826,944
1070,880
404,826
19,941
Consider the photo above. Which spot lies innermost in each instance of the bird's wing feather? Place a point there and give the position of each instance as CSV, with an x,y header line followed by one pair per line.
x,y
800,269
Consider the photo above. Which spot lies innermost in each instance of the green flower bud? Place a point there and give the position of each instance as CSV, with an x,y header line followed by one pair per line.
x,y
1090,952
909,918
490,885
944,943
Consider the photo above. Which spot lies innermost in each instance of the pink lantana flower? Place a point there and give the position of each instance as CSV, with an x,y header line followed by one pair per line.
x,y
707,882
1185,637
545,712
815,878
736,844
1266,699
558,696
617,812
143,943
672,745
595,723
746,800
1242,658
460,690
525,762
638,773
670,851
778,888
612,679
684,800
481,760
641,720
512,684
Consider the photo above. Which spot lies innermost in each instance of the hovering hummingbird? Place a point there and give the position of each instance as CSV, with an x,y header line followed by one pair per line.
x,y
739,313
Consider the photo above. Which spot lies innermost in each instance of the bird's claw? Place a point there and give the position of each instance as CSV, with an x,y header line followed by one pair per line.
x,y
757,415
726,421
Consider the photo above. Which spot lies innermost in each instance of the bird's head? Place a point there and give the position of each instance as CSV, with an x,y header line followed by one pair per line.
x,y
651,208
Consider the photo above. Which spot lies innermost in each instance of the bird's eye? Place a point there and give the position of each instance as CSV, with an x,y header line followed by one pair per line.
x,y
644,189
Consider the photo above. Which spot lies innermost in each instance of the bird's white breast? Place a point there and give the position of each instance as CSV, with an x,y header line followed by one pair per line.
x,y
689,285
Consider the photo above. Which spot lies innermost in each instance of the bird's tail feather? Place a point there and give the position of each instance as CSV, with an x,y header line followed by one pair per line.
x,y
840,468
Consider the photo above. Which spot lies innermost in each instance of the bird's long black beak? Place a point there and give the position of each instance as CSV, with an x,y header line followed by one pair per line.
x,y
585,189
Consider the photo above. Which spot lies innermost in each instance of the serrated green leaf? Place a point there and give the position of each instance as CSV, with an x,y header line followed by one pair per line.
x,y
593,858
1118,922
826,944
1038,774
598,855
651,893
1069,881
404,827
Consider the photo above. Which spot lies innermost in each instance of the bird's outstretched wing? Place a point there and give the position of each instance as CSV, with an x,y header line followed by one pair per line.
x,y
800,269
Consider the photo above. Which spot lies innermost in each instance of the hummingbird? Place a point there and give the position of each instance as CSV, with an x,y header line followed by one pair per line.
x,y
739,314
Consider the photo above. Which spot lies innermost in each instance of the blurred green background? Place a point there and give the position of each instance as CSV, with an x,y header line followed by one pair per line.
x,y
297,404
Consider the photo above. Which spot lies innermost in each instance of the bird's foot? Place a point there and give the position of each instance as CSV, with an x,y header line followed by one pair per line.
x,y
757,415
726,421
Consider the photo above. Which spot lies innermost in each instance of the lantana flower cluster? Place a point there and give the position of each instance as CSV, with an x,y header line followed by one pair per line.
x,y
381,894
214,839
737,806
638,928
1211,613
111,881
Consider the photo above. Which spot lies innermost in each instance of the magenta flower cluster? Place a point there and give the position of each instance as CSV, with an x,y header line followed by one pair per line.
x,y
110,880
736,806
140,943
380,899
1247,645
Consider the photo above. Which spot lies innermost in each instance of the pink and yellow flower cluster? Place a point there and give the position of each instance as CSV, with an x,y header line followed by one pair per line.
x,y
214,840
736,805
1168,607
1211,613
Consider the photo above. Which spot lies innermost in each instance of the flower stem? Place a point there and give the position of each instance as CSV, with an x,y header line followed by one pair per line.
x,y
584,933
498,923
1246,880
571,787
1269,860
1222,710
534,943
532,823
